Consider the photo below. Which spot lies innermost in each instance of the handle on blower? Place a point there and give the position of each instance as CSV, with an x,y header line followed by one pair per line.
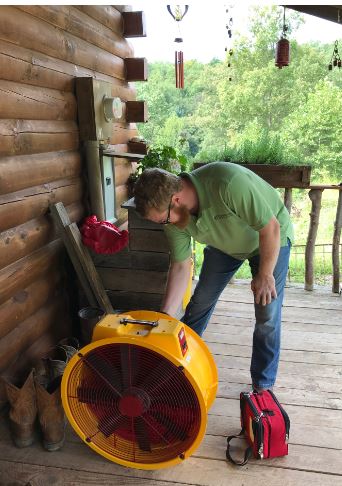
x,y
125,321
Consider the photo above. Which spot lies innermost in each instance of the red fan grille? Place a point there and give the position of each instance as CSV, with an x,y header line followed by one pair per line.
x,y
133,403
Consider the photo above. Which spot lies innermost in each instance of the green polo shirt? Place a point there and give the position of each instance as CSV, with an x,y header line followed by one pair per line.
x,y
234,204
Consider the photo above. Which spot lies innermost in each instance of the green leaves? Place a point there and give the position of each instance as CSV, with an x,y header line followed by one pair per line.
x,y
263,115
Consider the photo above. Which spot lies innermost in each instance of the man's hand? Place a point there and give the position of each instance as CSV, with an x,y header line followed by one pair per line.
x,y
263,288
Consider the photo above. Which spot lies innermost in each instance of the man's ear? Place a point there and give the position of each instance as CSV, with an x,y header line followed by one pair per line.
x,y
176,199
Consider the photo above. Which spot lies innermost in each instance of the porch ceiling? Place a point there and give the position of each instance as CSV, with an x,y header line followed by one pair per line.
x,y
327,12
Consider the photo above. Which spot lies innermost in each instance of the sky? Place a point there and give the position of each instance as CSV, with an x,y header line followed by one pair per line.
x,y
204,32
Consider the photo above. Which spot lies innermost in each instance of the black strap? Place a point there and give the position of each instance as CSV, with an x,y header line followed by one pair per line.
x,y
248,451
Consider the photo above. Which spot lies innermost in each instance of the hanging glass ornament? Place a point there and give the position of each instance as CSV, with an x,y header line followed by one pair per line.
x,y
335,60
282,57
178,14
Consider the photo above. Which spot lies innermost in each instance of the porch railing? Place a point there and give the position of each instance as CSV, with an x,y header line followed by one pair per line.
x,y
315,195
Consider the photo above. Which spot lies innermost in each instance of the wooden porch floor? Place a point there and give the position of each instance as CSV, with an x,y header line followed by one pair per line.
x,y
309,386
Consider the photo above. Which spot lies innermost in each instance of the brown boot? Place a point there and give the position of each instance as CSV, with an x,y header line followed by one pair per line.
x,y
50,413
23,411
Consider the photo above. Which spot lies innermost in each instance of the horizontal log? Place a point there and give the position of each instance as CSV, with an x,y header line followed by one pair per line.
x,y
126,301
122,133
27,301
13,68
147,240
21,137
22,240
19,207
22,273
28,331
124,93
122,168
105,14
36,103
76,22
140,260
24,171
43,65
133,280
44,38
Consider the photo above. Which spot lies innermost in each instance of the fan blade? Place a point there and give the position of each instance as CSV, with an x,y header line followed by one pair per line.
x,y
141,434
108,424
105,370
172,427
87,394
158,375
129,365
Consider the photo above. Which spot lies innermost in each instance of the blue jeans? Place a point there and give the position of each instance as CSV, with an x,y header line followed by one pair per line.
x,y
217,270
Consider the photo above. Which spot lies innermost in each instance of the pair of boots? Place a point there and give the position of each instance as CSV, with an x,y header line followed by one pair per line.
x,y
41,395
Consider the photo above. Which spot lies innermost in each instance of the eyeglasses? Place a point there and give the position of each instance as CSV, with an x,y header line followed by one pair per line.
x,y
167,221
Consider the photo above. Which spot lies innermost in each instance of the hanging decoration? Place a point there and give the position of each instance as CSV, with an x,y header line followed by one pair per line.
x,y
335,60
229,28
283,48
178,14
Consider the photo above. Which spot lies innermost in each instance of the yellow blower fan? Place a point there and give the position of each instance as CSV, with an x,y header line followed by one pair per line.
x,y
139,394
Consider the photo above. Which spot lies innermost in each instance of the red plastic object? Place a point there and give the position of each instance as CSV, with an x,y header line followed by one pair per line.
x,y
102,236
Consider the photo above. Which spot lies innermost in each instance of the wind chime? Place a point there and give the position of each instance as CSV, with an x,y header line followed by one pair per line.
x,y
335,60
229,27
283,48
178,14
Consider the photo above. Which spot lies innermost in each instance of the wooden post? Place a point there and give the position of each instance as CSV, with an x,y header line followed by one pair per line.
x,y
288,199
316,198
336,246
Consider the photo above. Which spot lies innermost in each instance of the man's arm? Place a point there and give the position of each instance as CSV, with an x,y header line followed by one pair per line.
x,y
178,279
263,284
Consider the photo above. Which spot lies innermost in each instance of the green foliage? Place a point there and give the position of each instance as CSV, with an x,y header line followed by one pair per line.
x,y
164,157
265,149
264,114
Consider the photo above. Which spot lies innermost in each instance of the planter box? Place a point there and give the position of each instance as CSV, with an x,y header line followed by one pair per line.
x,y
280,176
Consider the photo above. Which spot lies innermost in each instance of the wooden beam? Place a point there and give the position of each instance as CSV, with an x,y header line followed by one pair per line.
x,y
62,221
87,263
136,69
123,155
134,24
327,12
136,112
81,259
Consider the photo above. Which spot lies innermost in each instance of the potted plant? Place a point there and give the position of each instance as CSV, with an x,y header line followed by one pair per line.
x,y
267,157
164,157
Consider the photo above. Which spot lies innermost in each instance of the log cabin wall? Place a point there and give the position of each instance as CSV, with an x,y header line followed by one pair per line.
x,y
42,50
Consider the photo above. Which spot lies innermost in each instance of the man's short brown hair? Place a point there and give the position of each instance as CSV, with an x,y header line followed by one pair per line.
x,y
154,189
